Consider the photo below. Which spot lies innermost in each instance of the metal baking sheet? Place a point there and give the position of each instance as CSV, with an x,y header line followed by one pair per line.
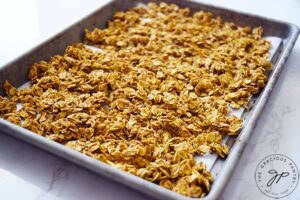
x,y
16,72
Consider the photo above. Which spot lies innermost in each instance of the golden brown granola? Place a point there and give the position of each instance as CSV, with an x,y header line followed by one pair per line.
x,y
154,96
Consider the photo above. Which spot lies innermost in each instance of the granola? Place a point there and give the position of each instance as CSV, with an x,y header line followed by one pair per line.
x,y
154,95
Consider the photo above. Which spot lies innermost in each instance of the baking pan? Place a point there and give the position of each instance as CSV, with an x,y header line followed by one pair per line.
x,y
16,73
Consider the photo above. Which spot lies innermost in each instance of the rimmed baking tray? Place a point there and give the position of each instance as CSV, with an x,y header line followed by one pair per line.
x,y
16,73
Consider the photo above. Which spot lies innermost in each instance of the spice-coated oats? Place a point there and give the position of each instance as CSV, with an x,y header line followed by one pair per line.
x,y
156,95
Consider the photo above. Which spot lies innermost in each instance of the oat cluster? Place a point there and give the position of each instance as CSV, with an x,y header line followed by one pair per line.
x,y
154,95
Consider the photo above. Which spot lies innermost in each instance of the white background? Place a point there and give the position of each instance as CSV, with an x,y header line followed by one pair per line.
x,y
27,172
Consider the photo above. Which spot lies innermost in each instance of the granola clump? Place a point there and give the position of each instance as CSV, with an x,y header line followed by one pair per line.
x,y
152,97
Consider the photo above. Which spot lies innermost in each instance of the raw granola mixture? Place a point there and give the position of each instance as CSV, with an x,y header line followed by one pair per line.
x,y
155,95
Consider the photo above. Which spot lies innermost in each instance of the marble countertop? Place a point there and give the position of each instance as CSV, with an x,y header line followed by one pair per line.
x,y
27,172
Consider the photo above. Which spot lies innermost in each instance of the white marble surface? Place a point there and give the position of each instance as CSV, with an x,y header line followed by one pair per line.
x,y
29,173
